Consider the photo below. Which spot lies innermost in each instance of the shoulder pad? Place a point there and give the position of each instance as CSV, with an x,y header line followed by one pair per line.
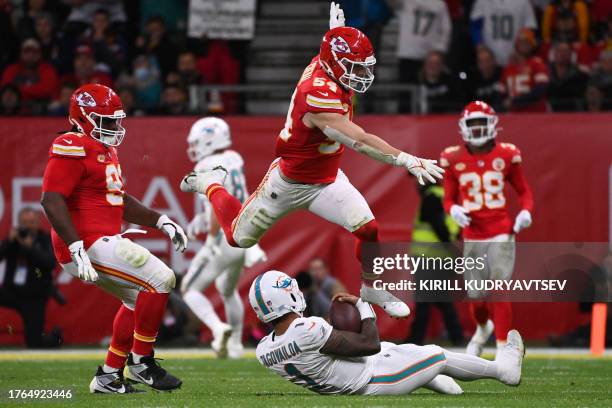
x,y
513,152
69,144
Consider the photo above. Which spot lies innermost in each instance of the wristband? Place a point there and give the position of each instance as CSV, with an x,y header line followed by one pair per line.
x,y
163,219
365,310
403,159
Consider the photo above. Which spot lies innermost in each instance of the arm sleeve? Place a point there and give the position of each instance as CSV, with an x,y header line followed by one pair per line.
x,y
450,184
314,334
62,175
517,180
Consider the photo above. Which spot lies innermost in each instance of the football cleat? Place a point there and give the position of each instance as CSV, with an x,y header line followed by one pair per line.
x,y
235,350
110,383
479,339
510,359
149,372
198,182
221,335
392,305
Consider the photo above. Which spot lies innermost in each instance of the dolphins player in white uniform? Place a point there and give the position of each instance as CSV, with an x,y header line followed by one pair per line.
x,y
209,146
309,352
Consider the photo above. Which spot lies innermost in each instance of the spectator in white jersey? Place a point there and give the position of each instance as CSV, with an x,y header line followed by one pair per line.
x,y
309,352
497,23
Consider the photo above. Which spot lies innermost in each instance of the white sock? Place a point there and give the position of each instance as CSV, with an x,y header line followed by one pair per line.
x,y
136,357
234,312
201,307
108,369
467,368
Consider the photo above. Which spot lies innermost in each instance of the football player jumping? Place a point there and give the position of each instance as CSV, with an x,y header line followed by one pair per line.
x,y
309,352
210,146
474,182
306,174
84,200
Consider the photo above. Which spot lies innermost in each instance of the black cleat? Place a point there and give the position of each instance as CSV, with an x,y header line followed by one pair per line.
x,y
149,372
110,383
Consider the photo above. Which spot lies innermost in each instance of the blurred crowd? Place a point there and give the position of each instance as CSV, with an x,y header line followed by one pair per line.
x,y
519,55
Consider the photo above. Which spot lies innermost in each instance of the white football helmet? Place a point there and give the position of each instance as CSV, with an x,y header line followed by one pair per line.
x,y
274,294
478,123
206,136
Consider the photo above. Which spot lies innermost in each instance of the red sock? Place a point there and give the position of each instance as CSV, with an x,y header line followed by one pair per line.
x,y
123,329
150,307
502,318
480,312
226,208
366,233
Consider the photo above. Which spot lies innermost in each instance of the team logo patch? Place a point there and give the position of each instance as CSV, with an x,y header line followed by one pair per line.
x,y
460,166
283,283
85,99
339,44
480,163
498,164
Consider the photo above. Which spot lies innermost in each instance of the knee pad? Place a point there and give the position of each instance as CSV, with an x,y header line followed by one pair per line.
x,y
165,280
367,232
132,253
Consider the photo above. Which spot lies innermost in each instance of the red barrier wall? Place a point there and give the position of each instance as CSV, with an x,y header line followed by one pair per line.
x,y
567,160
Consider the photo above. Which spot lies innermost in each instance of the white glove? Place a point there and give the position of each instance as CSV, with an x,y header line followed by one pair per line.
x,y
336,16
420,167
174,231
522,221
459,214
254,255
80,258
197,226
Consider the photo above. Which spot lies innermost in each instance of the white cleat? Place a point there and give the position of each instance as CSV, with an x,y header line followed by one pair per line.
x,y
198,182
444,384
479,339
235,350
392,305
221,335
510,359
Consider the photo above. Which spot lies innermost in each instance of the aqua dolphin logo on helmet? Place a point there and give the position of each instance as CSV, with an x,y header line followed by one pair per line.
x,y
274,294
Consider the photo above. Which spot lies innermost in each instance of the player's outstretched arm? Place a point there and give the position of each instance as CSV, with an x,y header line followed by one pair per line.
x,y
350,344
135,212
340,129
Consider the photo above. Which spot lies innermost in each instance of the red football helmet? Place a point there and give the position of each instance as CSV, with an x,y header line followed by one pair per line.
x,y
96,110
348,57
478,123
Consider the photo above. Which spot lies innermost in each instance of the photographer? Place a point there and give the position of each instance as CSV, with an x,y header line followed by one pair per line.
x,y
27,281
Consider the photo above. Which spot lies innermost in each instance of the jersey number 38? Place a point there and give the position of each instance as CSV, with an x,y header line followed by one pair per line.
x,y
486,190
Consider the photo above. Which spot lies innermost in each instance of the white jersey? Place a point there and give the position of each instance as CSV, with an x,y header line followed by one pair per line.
x,y
502,21
295,356
425,25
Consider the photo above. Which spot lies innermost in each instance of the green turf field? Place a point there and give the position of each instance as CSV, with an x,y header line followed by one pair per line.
x,y
212,383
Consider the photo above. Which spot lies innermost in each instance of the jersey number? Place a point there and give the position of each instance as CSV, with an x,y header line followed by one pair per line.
x,y
114,185
503,27
300,379
487,190
423,20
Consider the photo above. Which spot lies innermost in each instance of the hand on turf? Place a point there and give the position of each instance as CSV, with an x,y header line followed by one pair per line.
x,y
522,221
80,258
345,298
459,214
336,16
420,168
174,232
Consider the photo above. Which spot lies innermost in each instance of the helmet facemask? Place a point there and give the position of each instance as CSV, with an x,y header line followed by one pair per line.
x,y
107,129
478,130
358,75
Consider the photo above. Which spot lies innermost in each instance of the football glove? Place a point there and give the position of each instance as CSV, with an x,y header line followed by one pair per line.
x,y
80,258
459,214
420,168
174,232
336,16
522,221
197,226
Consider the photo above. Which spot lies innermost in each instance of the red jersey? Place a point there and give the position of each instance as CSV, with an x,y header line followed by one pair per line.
x,y
477,181
307,155
521,78
87,173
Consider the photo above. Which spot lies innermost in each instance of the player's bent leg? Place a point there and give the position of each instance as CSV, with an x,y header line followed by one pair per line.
x,y
484,327
234,309
401,369
444,384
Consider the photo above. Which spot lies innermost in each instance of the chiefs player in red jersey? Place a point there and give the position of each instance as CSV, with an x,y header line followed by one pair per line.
x,y
306,174
84,200
525,79
474,195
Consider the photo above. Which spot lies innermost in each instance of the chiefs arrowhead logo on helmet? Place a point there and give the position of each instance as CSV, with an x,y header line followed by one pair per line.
x,y
85,99
339,44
